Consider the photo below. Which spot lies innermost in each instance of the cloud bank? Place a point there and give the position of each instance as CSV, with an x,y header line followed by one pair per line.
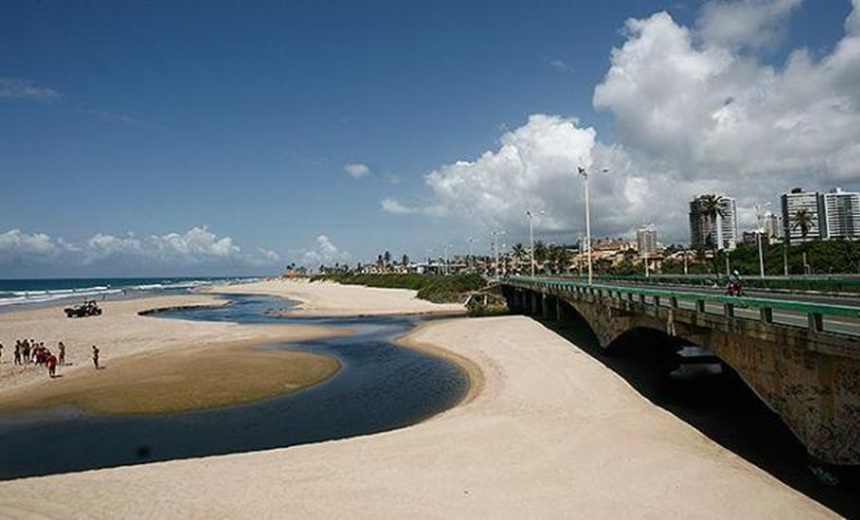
x,y
696,109
197,251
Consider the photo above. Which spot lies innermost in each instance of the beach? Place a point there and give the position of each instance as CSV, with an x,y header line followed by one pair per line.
x,y
545,432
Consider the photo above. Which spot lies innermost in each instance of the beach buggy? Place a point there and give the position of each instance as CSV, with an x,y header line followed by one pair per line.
x,y
88,308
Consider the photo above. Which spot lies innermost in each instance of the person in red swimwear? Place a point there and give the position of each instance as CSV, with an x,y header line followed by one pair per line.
x,y
51,362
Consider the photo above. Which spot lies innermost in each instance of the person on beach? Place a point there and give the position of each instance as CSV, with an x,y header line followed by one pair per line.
x,y
51,363
1,352
25,348
62,348
96,356
18,352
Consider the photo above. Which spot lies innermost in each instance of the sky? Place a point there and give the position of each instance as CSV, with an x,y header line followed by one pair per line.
x,y
168,138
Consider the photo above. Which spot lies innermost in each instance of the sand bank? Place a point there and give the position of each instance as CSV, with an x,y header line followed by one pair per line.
x,y
551,434
147,359
332,299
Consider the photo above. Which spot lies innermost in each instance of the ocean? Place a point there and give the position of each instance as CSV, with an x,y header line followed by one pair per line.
x,y
38,292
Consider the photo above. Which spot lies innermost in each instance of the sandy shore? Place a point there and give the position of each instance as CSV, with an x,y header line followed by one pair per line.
x,y
332,299
189,364
551,433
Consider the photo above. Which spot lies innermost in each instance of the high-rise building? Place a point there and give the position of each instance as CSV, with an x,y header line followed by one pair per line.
x,y
799,201
772,227
704,229
842,211
646,241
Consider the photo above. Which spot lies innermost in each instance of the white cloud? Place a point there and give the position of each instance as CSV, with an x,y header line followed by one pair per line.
x,y
524,173
18,88
739,23
357,170
393,206
695,111
324,252
14,242
196,248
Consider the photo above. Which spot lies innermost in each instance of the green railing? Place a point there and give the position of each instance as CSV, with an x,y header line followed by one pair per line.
x,y
814,312
818,283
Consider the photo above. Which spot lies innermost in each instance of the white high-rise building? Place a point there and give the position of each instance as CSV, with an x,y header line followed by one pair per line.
x,y
842,212
646,241
813,204
703,229
772,227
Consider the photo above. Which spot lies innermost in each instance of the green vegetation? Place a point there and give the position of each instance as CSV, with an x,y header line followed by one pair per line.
x,y
434,288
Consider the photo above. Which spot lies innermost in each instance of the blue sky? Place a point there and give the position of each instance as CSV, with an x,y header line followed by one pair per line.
x,y
150,138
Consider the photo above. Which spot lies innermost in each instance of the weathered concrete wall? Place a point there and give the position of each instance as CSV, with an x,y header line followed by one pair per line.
x,y
811,380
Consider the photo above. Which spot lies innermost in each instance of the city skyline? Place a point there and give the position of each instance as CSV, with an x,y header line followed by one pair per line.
x,y
183,139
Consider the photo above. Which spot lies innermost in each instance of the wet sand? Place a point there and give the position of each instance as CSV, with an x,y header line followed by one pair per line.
x,y
155,365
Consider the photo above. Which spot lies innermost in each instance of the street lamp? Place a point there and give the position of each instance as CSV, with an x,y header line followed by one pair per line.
x,y
758,232
588,219
531,216
471,252
495,247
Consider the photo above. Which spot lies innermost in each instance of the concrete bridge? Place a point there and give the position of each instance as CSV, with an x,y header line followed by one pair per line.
x,y
802,359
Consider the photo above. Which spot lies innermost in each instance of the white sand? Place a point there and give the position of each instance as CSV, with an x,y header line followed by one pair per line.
x,y
551,434
119,332
331,299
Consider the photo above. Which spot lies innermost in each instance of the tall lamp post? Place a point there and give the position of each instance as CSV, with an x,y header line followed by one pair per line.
x,y
758,232
588,220
531,217
495,247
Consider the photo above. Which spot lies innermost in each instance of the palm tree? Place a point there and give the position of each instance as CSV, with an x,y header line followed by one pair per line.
x,y
519,253
804,220
712,207
540,253
557,256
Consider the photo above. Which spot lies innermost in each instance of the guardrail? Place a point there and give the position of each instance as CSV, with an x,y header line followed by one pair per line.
x,y
822,283
815,312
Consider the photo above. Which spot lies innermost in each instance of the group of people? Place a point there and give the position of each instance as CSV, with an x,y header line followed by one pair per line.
x,y
29,351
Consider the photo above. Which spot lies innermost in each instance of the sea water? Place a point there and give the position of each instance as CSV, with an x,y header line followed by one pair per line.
x,y
15,294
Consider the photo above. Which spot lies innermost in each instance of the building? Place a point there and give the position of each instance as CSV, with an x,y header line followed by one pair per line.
x,y
773,227
842,214
704,229
813,203
646,241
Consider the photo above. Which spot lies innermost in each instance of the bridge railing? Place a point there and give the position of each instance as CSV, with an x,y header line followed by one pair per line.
x,y
800,283
819,316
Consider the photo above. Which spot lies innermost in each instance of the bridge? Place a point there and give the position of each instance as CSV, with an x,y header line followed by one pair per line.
x,y
802,358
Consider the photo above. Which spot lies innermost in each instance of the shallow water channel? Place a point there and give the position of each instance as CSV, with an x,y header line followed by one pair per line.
x,y
380,387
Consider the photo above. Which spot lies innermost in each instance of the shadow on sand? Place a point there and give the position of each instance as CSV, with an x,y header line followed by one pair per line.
x,y
723,408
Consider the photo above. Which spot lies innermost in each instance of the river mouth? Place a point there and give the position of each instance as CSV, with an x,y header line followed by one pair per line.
x,y
380,387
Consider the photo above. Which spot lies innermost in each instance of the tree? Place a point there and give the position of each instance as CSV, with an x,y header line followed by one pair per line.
x,y
712,208
804,220
557,257
404,261
519,253
540,253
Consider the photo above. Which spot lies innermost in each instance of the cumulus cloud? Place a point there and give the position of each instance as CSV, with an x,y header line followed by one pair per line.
x,y
534,169
696,110
740,23
323,252
196,248
393,206
357,170
18,88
